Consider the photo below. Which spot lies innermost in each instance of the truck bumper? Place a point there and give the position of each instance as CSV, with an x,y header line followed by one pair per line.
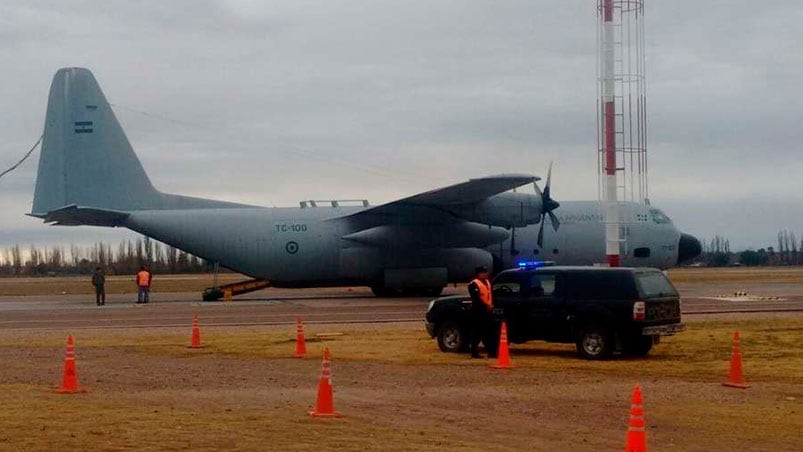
x,y
430,328
663,330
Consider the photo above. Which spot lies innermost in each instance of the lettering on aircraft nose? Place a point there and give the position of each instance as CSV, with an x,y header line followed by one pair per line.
x,y
291,247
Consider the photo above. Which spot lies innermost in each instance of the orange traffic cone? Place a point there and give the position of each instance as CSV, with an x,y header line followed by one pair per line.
x,y
735,377
69,379
196,334
503,354
301,344
325,405
636,437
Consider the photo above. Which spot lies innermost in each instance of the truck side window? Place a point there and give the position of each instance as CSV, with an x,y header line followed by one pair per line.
x,y
506,285
542,285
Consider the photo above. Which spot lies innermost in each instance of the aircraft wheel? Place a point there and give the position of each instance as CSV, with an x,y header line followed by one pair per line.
x,y
384,292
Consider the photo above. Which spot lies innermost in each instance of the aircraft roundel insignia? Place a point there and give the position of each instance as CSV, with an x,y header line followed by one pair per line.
x,y
291,247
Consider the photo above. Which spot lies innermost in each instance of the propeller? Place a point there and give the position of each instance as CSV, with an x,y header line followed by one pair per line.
x,y
547,206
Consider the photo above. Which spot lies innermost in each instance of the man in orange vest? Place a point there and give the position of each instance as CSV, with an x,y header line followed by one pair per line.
x,y
481,313
143,285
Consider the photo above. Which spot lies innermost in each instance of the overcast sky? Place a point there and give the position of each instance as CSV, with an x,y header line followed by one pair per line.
x,y
273,102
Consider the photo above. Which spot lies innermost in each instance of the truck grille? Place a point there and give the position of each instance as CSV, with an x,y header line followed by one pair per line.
x,y
658,311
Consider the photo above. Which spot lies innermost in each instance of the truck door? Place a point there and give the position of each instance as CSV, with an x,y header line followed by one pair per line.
x,y
508,304
543,305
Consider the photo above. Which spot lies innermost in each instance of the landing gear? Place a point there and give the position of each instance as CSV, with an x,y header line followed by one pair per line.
x,y
384,292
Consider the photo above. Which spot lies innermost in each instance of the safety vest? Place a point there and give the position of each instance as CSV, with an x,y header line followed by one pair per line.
x,y
143,278
485,291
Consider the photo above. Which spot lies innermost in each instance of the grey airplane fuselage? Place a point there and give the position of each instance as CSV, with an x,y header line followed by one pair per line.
x,y
304,247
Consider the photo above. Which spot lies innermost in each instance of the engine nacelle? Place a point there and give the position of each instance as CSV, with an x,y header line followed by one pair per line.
x,y
506,210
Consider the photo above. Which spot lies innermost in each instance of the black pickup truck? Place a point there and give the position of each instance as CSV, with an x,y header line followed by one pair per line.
x,y
601,310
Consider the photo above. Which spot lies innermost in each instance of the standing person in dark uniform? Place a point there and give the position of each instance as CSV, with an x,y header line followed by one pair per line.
x,y
99,281
481,314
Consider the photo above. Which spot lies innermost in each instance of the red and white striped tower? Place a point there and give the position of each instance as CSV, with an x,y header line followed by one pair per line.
x,y
621,122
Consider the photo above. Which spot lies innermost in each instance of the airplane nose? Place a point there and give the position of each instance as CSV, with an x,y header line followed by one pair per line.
x,y
688,248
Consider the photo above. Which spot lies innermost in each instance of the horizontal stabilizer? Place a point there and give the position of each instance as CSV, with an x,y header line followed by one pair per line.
x,y
73,215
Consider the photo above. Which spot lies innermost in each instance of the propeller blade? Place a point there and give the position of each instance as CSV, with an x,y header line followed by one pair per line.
x,y
549,176
537,190
555,222
541,234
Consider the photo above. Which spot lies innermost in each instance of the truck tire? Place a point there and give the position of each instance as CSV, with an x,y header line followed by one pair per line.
x,y
452,337
638,346
595,342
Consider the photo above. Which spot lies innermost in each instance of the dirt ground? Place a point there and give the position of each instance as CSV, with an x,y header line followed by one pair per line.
x,y
147,391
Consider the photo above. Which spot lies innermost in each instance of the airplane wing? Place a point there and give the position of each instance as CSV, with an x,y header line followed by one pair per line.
x,y
472,191
432,219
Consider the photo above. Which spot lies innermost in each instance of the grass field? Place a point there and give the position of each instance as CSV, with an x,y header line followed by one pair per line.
x,y
147,391
737,274
118,284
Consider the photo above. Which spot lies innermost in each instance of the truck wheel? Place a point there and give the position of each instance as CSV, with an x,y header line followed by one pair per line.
x,y
638,346
595,342
452,337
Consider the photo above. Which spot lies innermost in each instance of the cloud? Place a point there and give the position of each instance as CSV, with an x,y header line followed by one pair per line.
x,y
314,99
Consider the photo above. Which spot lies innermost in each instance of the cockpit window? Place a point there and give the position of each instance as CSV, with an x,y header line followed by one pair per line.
x,y
659,217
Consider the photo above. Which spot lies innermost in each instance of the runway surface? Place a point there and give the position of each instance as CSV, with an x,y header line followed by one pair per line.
x,y
323,306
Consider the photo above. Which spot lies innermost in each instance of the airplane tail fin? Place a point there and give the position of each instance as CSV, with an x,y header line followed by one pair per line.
x,y
86,159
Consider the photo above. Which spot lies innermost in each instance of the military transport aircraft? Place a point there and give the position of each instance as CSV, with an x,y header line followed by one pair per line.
x,y
89,175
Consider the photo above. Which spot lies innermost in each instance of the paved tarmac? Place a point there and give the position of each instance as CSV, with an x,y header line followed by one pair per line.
x,y
321,306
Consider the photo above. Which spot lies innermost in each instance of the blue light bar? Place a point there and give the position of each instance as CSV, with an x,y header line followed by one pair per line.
x,y
534,264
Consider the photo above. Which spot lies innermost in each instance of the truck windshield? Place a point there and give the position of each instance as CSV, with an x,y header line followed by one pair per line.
x,y
654,285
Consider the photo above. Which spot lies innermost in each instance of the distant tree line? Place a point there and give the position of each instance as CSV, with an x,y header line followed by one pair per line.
x,y
717,252
125,258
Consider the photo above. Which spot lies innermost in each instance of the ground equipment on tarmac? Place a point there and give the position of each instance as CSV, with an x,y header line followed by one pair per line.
x,y
227,291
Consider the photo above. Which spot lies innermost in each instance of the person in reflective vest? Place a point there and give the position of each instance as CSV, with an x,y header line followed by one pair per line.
x,y
481,312
143,285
